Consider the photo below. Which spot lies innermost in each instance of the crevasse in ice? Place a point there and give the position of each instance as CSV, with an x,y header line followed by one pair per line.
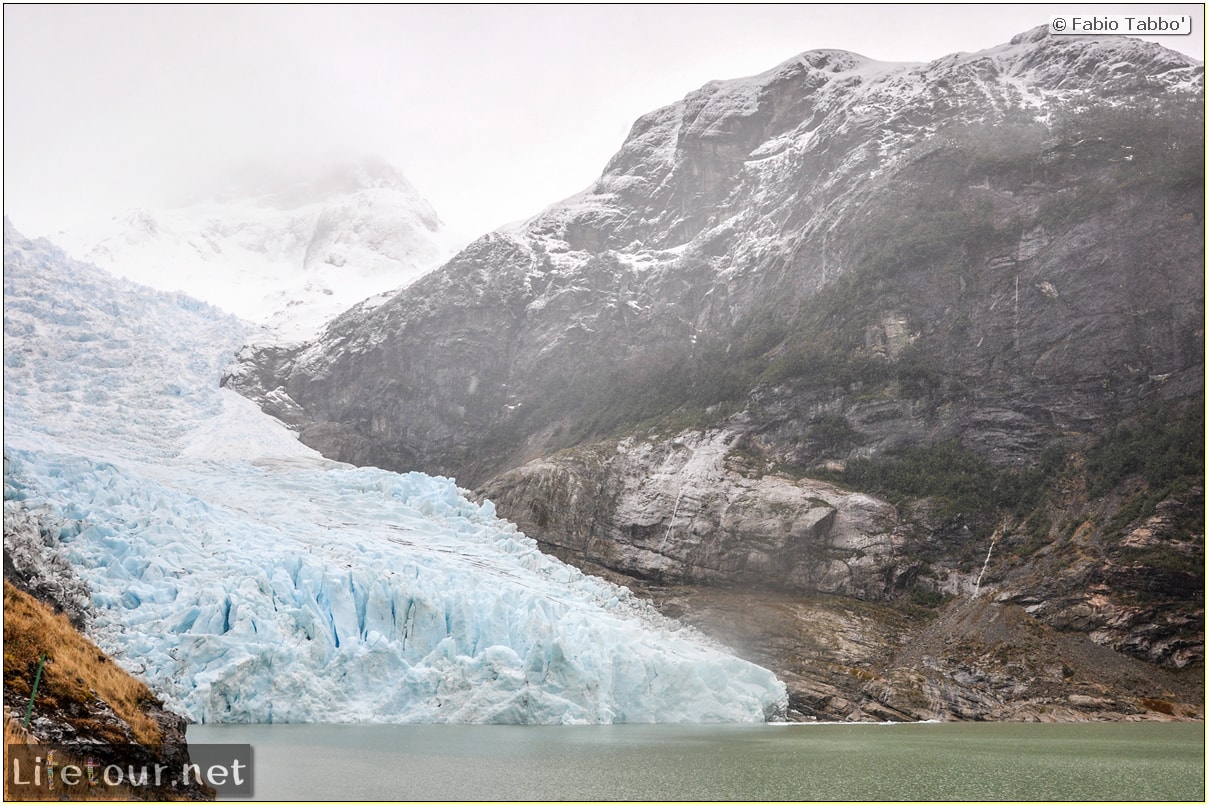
x,y
248,579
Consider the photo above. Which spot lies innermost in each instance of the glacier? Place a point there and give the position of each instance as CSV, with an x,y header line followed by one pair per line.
x,y
248,579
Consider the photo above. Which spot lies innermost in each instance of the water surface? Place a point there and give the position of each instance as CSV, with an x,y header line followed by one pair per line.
x,y
948,761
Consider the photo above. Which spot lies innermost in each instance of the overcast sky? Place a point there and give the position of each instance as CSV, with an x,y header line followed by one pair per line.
x,y
494,112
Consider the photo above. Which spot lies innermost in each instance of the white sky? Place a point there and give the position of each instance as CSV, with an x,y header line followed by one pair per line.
x,y
494,112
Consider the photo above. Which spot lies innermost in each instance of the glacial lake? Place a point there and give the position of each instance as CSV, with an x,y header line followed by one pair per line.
x,y
854,762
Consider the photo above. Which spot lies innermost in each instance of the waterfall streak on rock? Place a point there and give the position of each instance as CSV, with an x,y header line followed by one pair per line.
x,y
985,563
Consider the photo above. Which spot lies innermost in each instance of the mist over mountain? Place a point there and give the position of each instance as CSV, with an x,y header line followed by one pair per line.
x,y
288,246
881,355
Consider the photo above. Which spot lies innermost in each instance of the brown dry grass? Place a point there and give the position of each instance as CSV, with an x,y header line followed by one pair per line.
x,y
76,670
1162,706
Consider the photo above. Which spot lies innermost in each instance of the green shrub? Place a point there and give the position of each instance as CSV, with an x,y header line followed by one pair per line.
x,y
832,432
958,480
1163,445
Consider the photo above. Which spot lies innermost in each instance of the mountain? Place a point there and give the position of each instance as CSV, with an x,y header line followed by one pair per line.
x,y
285,248
974,189
246,578
885,353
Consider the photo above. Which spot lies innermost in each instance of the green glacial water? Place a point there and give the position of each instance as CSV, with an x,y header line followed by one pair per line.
x,y
944,761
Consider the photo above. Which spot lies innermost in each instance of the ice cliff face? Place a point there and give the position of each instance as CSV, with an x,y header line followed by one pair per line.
x,y
279,250
248,579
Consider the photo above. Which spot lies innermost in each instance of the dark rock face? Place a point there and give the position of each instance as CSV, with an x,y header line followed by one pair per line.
x,y
831,262
1142,595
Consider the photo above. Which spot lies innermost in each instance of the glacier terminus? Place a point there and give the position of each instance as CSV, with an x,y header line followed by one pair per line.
x,y
248,579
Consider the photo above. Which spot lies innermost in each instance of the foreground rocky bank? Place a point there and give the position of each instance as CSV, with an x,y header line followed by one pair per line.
x,y
84,705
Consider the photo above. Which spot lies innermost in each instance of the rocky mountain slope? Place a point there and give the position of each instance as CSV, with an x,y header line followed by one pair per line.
x,y
282,249
891,333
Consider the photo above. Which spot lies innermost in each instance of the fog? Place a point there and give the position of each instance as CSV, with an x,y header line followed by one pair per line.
x,y
494,112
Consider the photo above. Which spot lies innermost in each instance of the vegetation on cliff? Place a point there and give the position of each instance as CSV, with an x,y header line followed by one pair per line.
x,y
83,700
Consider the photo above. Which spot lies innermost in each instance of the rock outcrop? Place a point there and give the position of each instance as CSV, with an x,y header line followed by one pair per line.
x,y
34,563
687,510
972,659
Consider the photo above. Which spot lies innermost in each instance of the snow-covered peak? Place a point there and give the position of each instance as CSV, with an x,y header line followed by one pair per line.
x,y
1074,64
852,115
835,61
283,249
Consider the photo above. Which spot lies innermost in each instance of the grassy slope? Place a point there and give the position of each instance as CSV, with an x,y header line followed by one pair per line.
x,y
76,671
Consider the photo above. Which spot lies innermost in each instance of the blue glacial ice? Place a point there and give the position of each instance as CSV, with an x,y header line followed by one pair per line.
x,y
248,579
